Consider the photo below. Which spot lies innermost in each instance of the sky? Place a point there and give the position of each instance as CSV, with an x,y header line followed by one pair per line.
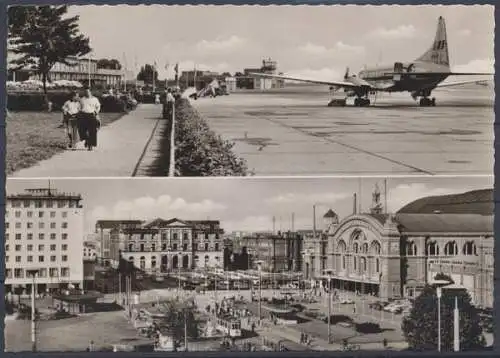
x,y
243,204
314,41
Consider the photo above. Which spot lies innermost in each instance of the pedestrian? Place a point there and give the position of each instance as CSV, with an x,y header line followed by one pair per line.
x,y
89,120
157,98
169,104
70,110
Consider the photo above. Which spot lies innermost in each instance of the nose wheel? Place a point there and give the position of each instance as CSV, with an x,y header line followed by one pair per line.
x,y
361,102
427,102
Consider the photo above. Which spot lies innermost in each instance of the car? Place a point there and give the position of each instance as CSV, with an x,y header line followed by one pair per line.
x,y
378,306
346,301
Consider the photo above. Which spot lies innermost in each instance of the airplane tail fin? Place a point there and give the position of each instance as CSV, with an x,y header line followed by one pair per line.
x,y
438,53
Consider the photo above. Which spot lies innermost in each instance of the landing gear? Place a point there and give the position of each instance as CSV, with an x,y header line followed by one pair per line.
x,y
361,102
427,102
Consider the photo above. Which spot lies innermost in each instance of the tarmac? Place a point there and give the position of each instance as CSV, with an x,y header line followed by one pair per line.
x,y
292,131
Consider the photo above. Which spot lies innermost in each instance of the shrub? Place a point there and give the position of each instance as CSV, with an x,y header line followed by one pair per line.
x,y
199,151
368,327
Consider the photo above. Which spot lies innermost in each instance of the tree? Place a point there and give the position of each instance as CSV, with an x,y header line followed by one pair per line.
x,y
178,315
112,64
146,74
43,36
420,327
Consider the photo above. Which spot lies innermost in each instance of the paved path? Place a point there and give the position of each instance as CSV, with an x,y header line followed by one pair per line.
x,y
293,132
121,146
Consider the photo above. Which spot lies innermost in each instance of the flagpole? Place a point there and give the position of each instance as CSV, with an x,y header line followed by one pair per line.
x,y
154,72
456,327
135,74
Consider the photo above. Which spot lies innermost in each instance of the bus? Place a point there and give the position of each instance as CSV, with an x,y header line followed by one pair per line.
x,y
229,326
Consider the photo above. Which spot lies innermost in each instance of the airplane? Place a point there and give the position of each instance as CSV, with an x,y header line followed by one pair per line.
x,y
419,77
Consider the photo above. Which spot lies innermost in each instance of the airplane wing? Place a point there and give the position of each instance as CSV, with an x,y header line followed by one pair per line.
x,y
438,74
452,84
327,83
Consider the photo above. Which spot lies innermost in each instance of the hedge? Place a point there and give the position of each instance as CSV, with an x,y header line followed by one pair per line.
x,y
199,151
35,101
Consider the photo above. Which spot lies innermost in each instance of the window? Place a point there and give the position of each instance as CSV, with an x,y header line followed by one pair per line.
x,y
216,246
7,224
18,273
41,247
18,236
40,214
206,246
451,249
64,225
64,236
6,247
38,204
30,236
469,249
30,258
61,204
18,247
17,214
64,214
52,225
26,203
52,214
6,258
64,247
7,236
164,247
52,247
30,214
411,249
343,262
142,248
130,247
16,204
18,225
41,258
8,273
174,247
52,259
175,236
18,258
153,247
53,272
185,247
41,236
377,265
153,262
41,225
52,236
29,225
185,236
50,204
64,258
64,271
30,247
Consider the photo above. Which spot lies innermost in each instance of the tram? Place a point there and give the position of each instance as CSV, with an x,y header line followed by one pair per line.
x,y
229,326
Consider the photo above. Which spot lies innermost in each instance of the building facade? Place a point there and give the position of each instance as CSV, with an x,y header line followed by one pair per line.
x,y
396,255
277,252
162,246
44,232
82,70
110,239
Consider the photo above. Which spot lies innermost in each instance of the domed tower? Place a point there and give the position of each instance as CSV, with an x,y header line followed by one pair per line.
x,y
330,219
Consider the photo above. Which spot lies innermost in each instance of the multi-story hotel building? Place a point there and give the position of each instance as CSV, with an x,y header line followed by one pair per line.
x,y
161,245
395,255
43,232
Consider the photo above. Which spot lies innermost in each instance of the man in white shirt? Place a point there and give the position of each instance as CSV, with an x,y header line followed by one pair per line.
x,y
90,108
70,110
168,105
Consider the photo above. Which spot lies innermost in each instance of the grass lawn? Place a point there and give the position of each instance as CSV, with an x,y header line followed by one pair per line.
x,y
36,136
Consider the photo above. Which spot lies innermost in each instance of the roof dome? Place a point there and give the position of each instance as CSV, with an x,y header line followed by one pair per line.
x,y
330,214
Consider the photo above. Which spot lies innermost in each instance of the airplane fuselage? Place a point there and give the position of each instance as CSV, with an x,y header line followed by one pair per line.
x,y
384,77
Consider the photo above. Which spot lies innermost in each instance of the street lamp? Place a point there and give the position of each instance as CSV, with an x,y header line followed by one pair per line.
x,y
33,273
329,276
439,292
259,266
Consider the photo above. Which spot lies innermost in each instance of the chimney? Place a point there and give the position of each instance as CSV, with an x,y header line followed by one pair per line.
x,y
355,204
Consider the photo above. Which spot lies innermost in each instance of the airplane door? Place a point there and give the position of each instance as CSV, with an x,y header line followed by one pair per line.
x,y
398,69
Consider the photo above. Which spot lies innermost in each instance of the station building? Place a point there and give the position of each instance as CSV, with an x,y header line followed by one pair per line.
x,y
395,255
161,246
43,233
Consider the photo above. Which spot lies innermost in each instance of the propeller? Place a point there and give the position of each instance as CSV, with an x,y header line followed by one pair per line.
x,y
346,76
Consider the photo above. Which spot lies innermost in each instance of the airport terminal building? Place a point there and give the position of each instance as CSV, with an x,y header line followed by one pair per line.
x,y
395,255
